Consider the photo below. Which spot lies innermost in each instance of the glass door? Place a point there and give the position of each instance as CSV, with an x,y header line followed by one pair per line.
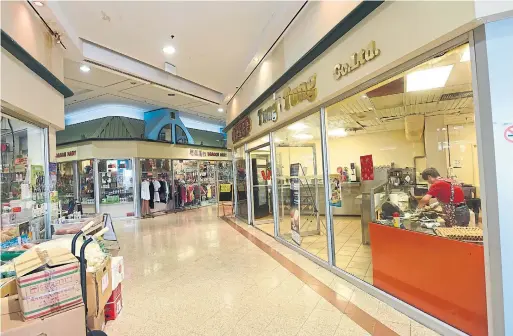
x,y
261,189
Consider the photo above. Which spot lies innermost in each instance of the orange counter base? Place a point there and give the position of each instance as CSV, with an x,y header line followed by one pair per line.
x,y
442,277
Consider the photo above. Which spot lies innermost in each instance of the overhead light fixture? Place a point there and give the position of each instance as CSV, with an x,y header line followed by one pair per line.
x,y
337,132
276,139
38,3
364,96
302,136
255,59
220,109
297,127
428,79
169,50
466,55
85,68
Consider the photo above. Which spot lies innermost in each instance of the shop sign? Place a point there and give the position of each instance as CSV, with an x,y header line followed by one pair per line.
x,y
357,59
304,91
202,153
241,129
68,154
270,113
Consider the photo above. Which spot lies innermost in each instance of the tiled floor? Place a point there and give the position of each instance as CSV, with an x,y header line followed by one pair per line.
x,y
351,255
191,273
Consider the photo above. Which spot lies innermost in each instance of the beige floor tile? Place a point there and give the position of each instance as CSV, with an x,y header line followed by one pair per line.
x,y
348,328
418,329
399,328
360,265
358,272
366,302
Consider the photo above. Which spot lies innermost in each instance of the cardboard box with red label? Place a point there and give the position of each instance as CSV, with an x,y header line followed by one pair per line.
x,y
114,305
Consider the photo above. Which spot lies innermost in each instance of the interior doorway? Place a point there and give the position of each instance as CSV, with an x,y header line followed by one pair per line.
x,y
261,188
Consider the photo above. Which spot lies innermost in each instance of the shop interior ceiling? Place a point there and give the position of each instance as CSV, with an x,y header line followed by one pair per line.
x,y
217,45
384,106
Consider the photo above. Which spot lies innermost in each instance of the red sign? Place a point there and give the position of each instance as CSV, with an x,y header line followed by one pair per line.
x,y
241,129
367,168
508,134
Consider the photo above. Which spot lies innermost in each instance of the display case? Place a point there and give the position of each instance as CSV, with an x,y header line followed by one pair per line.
x,y
116,187
86,182
66,188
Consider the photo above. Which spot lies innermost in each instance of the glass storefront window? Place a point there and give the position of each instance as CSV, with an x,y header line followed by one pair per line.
x,y
23,167
86,179
66,188
165,134
241,206
116,187
158,172
300,188
381,140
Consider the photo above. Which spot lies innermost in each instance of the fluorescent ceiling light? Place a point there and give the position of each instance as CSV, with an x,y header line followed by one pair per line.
x,y
220,109
303,136
428,79
337,132
466,55
38,3
297,127
85,68
169,50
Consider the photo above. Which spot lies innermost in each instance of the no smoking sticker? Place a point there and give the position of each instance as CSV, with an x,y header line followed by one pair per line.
x,y
508,134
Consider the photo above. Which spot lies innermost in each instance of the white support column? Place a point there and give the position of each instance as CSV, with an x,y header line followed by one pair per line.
x,y
326,182
491,51
274,186
96,178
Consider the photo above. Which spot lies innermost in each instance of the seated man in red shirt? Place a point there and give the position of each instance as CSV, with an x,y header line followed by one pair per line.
x,y
449,194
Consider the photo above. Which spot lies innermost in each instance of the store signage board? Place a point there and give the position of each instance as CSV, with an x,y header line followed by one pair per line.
x,y
225,192
203,153
356,60
241,129
304,91
295,206
267,114
67,154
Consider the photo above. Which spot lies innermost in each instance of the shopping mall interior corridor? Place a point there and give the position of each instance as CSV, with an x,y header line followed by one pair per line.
x,y
193,273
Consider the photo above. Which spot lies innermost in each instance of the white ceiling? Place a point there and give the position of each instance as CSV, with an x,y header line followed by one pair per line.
x,y
102,91
214,40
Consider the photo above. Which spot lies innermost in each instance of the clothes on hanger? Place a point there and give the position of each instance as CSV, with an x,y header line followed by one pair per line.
x,y
156,186
152,195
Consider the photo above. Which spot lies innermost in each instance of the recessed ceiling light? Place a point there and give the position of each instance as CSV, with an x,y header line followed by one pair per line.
x,y
38,3
466,55
337,132
255,59
364,96
220,109
297,127
276,139
303,136
169,50
428,79
85,68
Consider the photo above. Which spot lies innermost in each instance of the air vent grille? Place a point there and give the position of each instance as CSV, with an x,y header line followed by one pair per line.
x,y
456,95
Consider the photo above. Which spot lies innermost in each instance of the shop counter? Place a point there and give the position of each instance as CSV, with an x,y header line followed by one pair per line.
x,y
442,277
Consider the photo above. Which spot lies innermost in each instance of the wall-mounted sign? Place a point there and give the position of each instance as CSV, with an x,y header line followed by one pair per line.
x,y
68,154
357,59
241,129
304,91
270,113
203,153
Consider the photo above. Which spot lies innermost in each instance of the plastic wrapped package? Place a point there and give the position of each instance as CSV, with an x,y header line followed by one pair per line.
x,y
93,253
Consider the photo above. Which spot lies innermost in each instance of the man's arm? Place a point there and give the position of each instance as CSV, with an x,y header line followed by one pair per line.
x,y
424,201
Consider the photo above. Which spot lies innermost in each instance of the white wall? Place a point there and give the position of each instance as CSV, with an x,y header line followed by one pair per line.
x,y
314,21
25,92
